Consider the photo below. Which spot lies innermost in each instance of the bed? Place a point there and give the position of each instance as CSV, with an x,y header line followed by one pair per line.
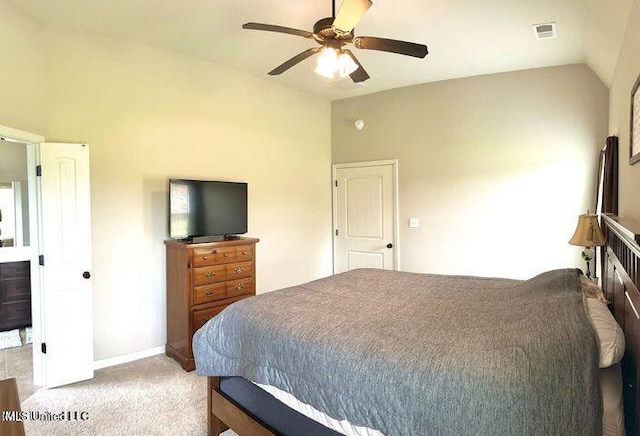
x,y
474,374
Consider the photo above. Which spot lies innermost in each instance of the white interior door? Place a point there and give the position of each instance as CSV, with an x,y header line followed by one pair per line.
x,y
365,216
66,247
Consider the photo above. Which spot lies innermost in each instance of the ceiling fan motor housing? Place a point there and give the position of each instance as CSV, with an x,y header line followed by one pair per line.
x,y
324,30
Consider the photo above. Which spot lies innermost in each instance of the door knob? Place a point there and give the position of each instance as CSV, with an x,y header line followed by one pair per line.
x,y
86,274
389,245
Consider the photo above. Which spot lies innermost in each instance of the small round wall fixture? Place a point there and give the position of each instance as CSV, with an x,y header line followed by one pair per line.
x,y
359,124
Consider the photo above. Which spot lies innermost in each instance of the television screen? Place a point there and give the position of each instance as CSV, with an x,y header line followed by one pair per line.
x,y
201,208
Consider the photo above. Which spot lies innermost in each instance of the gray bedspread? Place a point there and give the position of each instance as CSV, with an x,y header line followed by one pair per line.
x,y
420,354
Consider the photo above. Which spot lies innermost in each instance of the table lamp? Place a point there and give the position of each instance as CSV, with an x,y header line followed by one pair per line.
x,y
588,234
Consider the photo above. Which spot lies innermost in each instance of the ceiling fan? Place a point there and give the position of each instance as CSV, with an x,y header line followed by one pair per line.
x,y
333,34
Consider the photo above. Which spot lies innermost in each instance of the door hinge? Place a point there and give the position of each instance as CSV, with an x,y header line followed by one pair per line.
x,y
43,348
41,260
336,232
336,183
38,170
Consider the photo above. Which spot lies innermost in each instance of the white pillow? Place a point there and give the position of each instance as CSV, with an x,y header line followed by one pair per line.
x,y
612,407
610,335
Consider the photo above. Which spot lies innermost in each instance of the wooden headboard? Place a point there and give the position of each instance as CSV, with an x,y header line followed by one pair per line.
x,y
620,282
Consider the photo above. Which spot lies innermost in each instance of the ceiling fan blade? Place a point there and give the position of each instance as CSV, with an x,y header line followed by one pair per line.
x,y
294,60
391,45
359,75
279,29
350,12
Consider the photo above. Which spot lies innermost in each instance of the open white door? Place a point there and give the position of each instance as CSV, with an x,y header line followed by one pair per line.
x,y
66,250
365,216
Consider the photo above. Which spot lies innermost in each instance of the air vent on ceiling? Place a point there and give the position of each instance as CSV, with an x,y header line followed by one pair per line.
x,y
545,30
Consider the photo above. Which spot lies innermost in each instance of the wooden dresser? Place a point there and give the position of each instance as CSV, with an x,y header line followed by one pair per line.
x,y
15,295
203,279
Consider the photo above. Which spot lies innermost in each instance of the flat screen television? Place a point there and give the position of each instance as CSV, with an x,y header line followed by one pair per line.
x,y
203,210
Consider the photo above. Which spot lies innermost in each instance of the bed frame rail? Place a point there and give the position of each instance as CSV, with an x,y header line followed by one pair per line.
x,y
223,410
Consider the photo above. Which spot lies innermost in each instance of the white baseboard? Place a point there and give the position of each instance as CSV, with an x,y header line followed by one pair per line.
x,y
111,361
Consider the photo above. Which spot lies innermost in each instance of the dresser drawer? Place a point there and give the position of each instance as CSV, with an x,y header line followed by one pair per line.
x,y
213,256
204,257
200,317
224,255
209,274
15,315
244,253
204,294
238,270
15,290
240,287
14,269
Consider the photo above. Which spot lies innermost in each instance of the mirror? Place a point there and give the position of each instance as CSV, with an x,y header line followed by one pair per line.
x,y
14,195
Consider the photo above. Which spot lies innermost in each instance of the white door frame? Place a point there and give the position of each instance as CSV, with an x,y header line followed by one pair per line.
x,y
32,142
396,228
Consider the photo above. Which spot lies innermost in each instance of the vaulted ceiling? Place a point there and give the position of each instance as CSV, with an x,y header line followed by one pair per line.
x,y
465,37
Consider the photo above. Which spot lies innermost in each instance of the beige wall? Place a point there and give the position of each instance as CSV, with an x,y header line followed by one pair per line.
x,y
497,168
626,73
22,77
149,115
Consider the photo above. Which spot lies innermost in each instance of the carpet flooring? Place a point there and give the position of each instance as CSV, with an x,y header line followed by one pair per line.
x,y
18,363
151,396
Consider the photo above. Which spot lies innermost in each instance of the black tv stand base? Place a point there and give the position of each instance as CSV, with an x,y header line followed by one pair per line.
x,y
201,239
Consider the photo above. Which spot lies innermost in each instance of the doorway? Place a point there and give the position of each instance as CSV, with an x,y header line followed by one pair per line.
x,y
19,275
365,215
56,249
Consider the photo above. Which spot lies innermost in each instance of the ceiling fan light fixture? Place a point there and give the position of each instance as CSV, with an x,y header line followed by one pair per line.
x,y
330,64
327,63
346,65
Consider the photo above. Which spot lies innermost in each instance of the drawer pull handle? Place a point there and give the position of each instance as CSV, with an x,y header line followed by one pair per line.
x,y
244,253
209,293
226,255
239,286
209,274
239,270
205,257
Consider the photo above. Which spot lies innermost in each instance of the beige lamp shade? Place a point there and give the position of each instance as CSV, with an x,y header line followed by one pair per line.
x,y
588,233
